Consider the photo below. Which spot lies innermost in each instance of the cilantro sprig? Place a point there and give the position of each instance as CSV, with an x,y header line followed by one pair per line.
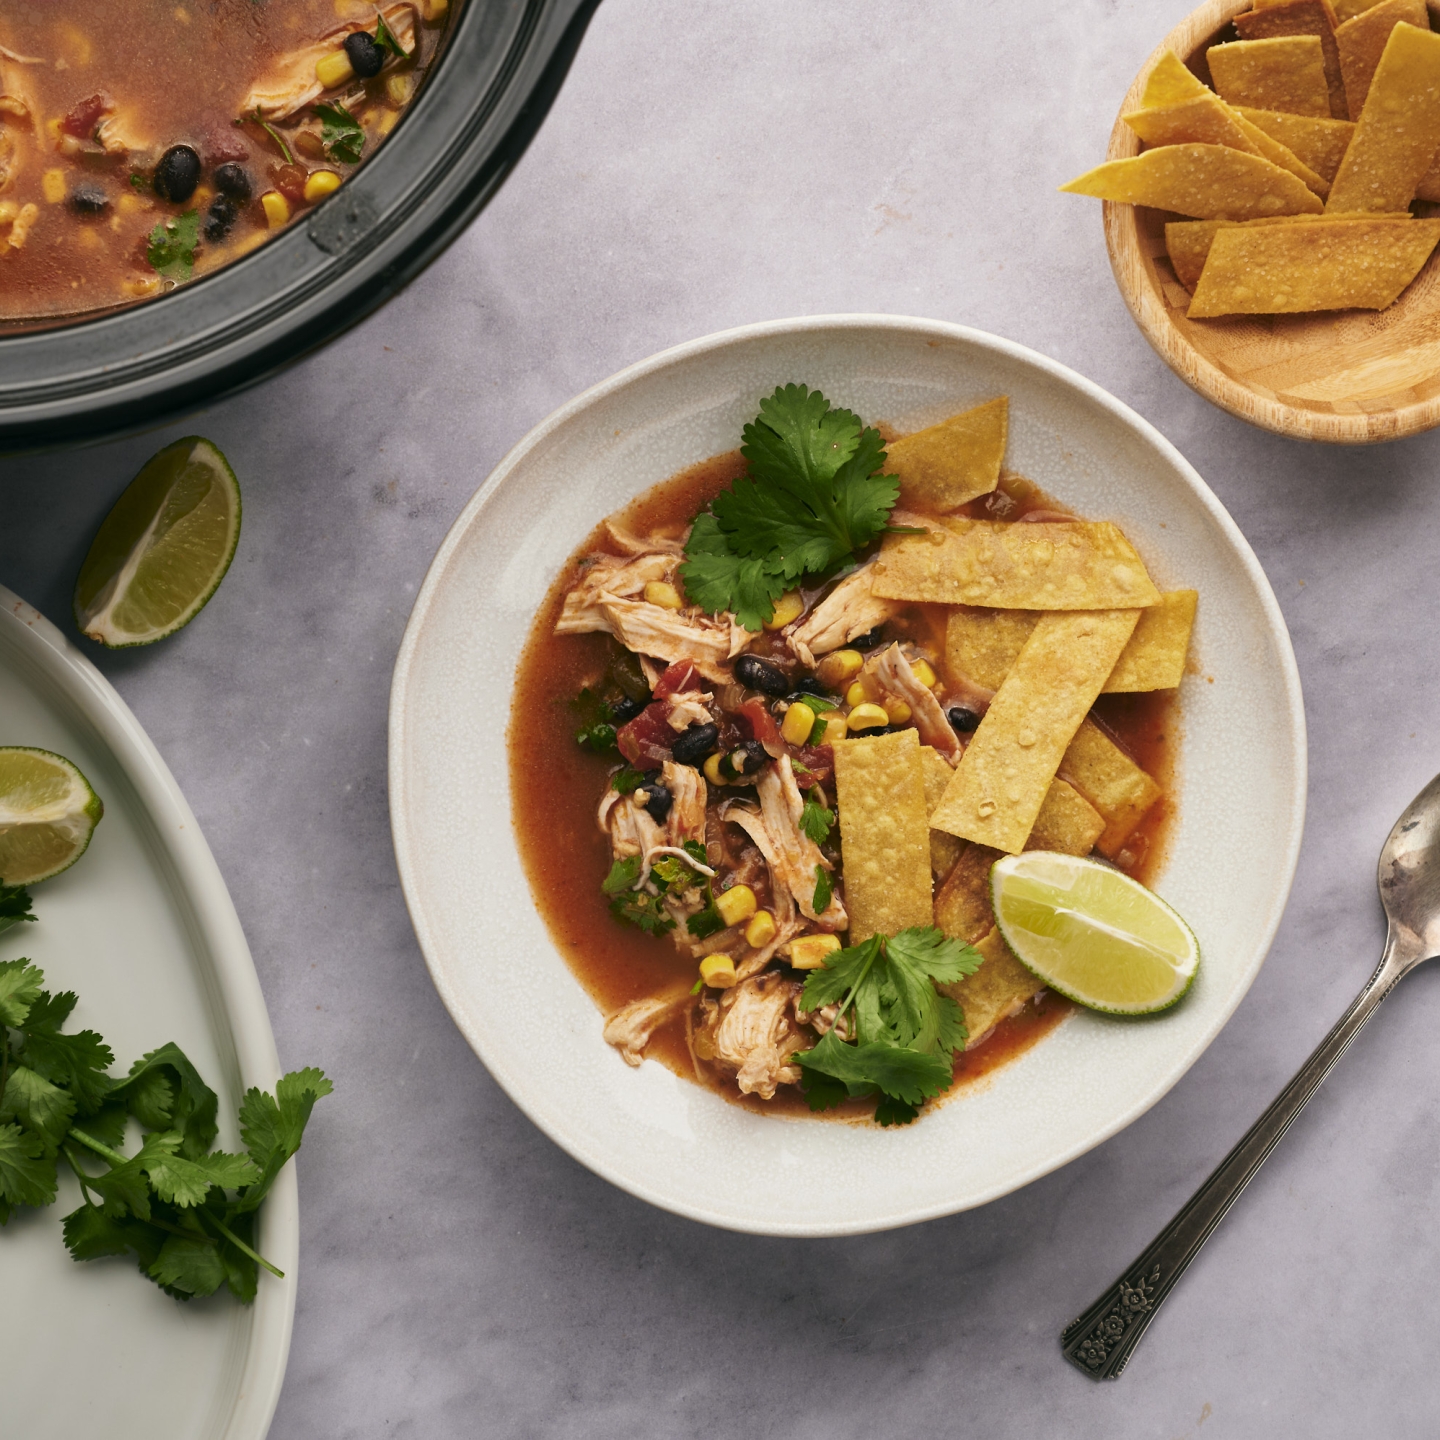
x,y
815,820
14,905
172,245
904,1032
670,875
185,1211
813,495
340,133
385,38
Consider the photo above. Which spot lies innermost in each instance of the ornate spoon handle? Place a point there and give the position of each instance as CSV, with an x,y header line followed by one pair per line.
x,y
1100,1341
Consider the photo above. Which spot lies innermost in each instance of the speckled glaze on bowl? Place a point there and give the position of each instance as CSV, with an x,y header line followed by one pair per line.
x,y
669,1141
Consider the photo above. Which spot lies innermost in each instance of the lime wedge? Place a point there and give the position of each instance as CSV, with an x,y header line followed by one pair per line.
x,y
162,552
1093,934
47,814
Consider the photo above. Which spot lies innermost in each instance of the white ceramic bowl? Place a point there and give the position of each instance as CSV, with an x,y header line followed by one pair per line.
x,y
1241,806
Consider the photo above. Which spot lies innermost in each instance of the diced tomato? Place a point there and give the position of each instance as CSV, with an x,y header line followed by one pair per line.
x,y
645,742
680,676
290,180
84,117
762,726
819,760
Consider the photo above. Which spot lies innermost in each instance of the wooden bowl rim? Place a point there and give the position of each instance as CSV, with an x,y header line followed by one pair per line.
x,y
1146,305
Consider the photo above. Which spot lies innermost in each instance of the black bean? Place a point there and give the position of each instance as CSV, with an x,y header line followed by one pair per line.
x,y
695,744
868,641
746,760
758,674
366,57
658,801
233,180
89,199
623,710
809,685
177,174
962,718
219,218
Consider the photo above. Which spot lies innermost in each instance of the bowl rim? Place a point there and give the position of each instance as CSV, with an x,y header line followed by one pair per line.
x,y
405,853
1149,311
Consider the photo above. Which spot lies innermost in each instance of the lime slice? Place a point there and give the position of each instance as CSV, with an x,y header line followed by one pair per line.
x,y
163,550
1093,934
47,814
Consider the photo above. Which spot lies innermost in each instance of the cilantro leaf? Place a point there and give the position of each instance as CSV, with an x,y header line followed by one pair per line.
x,y
823,891
27,1173
183,1183
188,1266
20,983
78,1062
91,1234
914,958
597,730
815,820
890,1111
42,1108
272,1126
708,921
623,874
385,38
717,579
340,132
907,1075
843,971
164,1091
14,905
172,245
798,440
626,780
643,910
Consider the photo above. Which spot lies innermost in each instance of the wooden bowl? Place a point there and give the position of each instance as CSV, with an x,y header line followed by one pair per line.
x,y
1350,377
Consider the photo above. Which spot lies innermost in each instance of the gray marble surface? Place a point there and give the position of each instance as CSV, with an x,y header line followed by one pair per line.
x,y
706,166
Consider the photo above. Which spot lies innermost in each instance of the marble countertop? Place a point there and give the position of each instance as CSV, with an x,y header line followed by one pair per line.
x,y
706,167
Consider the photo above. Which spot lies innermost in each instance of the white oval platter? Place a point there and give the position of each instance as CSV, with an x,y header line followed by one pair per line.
x,y
1232,858
143,929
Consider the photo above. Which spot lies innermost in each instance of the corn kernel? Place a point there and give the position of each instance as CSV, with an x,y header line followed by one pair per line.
x,y
799,721
787,608
718,971
857,694
835,729
334,69
399,88
52,185
276,207
866,717
735,904
713,772
321,184
924,673
898,711
662,593
839,668
386,123
809,951
761,930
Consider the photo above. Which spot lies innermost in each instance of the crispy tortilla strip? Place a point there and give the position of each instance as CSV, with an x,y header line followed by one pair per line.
x,y
1112,782
942,467
1429,186
962,904
1286,73
1287,269
1155,657
982,644
1349,9
1065,565
944,849
1067,822
1005,773
1207,181
1187,242
1207,120
999,988
1398,132
1362,42
1320,144
1170,82
1302,17
884,835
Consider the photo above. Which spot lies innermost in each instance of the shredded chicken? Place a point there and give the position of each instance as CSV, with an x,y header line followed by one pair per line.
x,y
688,797
652,630
610,575
632,831
293,84
9,161
629,1029
751,822
847,611
751,1030
20,226
797,854
893,671
16,111
636,545
690,709
8,54
822,1021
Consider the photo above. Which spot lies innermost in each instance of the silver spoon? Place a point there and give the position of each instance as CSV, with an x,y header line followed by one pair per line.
x,y
1101,1340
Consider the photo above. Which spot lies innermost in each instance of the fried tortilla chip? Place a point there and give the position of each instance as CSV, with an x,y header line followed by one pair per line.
x,y
982,644
1067,822
1112,782
999,988
1429,186
955,461
1286,73
1359,264
1170,82
1362,42
1004,775
1398,132
962,904
1207,181
1064,565
1155,657
944,849
1302,17
1320,144
1349,9
1207,120
884,835
1188,242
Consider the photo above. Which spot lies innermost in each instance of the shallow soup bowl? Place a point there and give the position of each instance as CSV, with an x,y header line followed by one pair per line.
x,y
1232,850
